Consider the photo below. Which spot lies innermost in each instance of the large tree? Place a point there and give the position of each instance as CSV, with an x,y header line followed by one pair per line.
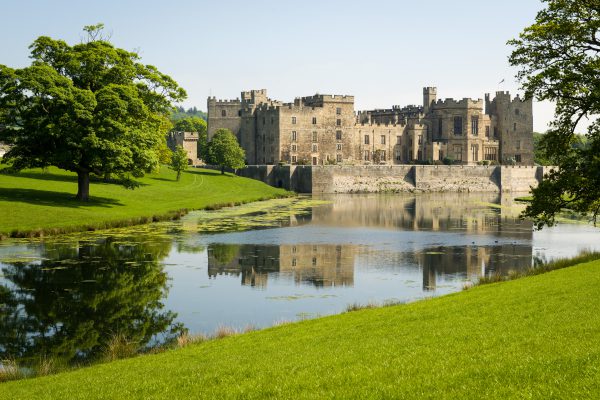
x,y
225,151
86,108
559,60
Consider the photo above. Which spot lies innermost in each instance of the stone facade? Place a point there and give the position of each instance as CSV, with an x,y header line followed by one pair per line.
x,y
189,142
325,129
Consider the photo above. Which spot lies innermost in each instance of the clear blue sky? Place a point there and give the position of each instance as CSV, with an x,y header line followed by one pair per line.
x,y
381,52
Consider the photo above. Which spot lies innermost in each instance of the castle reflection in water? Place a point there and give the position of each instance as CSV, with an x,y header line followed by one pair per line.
x,y
508,246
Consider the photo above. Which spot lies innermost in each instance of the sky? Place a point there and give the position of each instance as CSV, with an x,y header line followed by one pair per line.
x,y
381,52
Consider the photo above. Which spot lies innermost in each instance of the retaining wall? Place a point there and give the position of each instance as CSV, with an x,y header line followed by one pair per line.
x,y
397,178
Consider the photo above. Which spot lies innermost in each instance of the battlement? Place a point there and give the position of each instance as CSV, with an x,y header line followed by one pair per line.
x,y
186,136
464,103
318,100
214,101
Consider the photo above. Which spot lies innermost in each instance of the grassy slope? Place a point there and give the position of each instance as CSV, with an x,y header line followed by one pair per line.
x,y
33,200
535,337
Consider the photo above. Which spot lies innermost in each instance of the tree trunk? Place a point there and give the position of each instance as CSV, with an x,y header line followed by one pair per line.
x,y
178,175
83,185
222,169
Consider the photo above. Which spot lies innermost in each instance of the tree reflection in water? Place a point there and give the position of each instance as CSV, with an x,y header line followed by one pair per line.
x,y
69,305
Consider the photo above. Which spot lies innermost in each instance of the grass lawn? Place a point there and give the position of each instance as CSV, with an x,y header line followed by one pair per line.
x,y
536,337
44,202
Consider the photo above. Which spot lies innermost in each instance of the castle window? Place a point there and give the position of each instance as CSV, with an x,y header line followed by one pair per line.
x,y
294,147
294,262
294,159
518,158
398,139
367,155
223,113
314,120
240,113
314,261
487,131
338,111
366,139
338,135
339,158
420,139
339,147
490,153
338,122
440,127
518,145
382,155
496,132
398,155
314,148
382,139
457,152
294,120
475,126
314,136
516,111
515,126
294,136
458,125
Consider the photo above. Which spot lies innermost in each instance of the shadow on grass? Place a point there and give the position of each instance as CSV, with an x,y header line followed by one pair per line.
x,y
54,199
49,176
44,176
202,172
164,179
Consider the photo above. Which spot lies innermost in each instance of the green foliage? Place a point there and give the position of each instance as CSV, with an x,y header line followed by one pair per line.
x,y
198,125
179,161
181,113
535,337
559,59
87,108
225,151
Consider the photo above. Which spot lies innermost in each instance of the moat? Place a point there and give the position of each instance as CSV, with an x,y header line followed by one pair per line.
x,y
65,296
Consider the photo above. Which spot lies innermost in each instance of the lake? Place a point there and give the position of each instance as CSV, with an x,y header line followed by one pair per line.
x,y
248,266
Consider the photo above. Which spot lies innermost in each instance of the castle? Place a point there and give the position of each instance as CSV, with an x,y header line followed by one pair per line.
x,y
325,129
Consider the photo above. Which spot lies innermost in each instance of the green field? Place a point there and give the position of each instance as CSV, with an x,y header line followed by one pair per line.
x,y
34,202
536,337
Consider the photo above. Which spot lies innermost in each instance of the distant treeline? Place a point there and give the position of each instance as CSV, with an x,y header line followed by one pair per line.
x,y
182,113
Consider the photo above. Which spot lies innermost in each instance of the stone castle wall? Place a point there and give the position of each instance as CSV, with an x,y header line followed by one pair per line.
x,y
397,178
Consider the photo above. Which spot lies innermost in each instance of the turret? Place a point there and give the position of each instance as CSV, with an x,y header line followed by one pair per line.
x,y
429,96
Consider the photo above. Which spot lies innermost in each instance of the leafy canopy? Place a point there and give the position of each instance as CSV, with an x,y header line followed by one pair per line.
x,y
224,150
559,60
87,108
179,161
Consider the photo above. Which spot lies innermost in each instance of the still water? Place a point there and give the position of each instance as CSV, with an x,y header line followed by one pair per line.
x,y
66,296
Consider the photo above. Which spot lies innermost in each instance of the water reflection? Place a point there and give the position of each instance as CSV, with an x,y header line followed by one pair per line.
x,y
317,265
66,299
68,302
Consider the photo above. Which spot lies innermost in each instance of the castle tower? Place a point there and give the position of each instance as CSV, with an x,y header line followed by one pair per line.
x,y
429,96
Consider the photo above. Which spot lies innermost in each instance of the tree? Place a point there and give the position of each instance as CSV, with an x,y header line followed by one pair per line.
x,y
559,60
179,161
194,124
87,108
225,151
